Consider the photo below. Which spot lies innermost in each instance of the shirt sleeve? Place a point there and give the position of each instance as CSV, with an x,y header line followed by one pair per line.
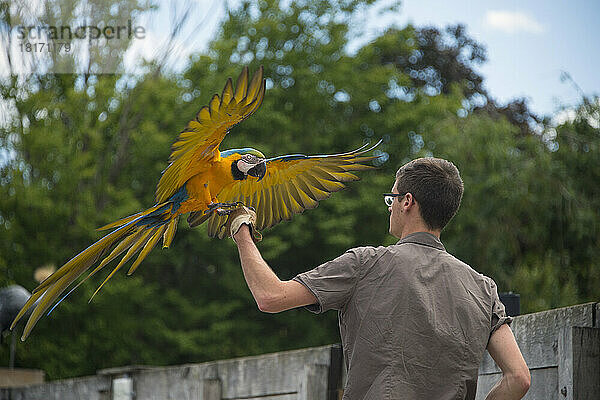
x,y
499,316
333,282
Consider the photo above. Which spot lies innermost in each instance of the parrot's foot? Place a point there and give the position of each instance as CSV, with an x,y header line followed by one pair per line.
x,y
223,208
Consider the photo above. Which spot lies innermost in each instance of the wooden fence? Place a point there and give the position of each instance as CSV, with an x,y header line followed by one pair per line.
x,y
561,346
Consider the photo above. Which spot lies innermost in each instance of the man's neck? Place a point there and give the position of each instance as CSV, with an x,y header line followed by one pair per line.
x,y
408,229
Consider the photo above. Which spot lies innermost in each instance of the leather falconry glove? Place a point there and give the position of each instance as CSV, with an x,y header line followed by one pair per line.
x,y
238,217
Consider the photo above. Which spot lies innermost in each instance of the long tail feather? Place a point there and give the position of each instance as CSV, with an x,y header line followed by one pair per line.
x,y
46,301
125,220
121,247
147,248
118,223
140,231
170,233
132,250
86,258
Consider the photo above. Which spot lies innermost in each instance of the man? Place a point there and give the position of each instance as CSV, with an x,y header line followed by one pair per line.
x,y
414,320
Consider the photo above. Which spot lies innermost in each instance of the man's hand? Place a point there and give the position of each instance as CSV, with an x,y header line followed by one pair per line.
x,y
240,216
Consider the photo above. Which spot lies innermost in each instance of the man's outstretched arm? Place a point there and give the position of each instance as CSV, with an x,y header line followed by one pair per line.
x,y
515,375
271,294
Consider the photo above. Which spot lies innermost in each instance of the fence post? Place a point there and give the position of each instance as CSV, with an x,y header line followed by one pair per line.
x,y
586,362
565,363
336,373
578,362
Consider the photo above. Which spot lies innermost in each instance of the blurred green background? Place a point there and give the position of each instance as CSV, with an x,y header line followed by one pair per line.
x,y
81,150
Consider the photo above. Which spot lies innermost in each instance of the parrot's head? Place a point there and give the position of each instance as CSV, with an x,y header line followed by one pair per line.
x,y
251,162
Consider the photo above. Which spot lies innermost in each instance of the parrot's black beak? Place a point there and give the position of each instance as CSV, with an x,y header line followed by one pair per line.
x,y
258,171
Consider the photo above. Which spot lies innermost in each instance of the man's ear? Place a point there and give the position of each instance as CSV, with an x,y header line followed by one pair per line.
x,y
409,200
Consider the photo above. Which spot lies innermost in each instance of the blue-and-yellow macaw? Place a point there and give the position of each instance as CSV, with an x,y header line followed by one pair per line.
x,y
198,180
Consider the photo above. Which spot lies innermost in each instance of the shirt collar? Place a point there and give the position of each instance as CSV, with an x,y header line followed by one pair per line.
x,y
423,238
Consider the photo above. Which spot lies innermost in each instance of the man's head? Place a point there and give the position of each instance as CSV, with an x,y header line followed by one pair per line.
x,y
432,190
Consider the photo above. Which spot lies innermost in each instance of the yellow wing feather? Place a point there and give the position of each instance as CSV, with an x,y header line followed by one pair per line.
x,y
291,185
200,140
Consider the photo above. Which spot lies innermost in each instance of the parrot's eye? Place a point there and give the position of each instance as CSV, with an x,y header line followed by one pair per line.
x,y
249,158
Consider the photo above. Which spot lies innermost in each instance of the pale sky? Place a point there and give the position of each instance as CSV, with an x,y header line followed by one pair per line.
x,y
528,43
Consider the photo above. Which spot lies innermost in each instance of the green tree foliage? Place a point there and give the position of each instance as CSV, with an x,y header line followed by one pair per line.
x,y
81,151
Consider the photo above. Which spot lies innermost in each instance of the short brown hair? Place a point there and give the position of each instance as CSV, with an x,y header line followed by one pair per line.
x,y
437,187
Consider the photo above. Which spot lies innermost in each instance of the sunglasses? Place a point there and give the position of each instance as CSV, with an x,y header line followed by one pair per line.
x,y
389,198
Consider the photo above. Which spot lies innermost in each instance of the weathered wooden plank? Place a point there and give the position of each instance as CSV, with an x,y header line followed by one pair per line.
x,y
586,362
537,334
285,396
20,377
565,362
92,388
271,373
313,385
172,383
544,384
212,389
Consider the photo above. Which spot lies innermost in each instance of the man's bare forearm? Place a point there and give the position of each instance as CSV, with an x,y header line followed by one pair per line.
x,y
261,280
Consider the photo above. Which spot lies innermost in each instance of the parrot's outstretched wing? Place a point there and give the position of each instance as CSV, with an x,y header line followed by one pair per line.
x,y
292,184
200,140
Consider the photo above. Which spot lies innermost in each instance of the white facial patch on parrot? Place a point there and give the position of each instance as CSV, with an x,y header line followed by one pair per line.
x,y
244,166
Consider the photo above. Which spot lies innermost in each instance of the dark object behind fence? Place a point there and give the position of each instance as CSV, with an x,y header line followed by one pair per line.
x,y
512,303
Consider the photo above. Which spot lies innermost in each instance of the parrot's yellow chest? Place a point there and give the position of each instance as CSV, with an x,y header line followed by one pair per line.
x,y
203,188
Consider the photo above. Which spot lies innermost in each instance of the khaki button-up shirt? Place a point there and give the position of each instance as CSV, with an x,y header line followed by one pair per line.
x,y
414,320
